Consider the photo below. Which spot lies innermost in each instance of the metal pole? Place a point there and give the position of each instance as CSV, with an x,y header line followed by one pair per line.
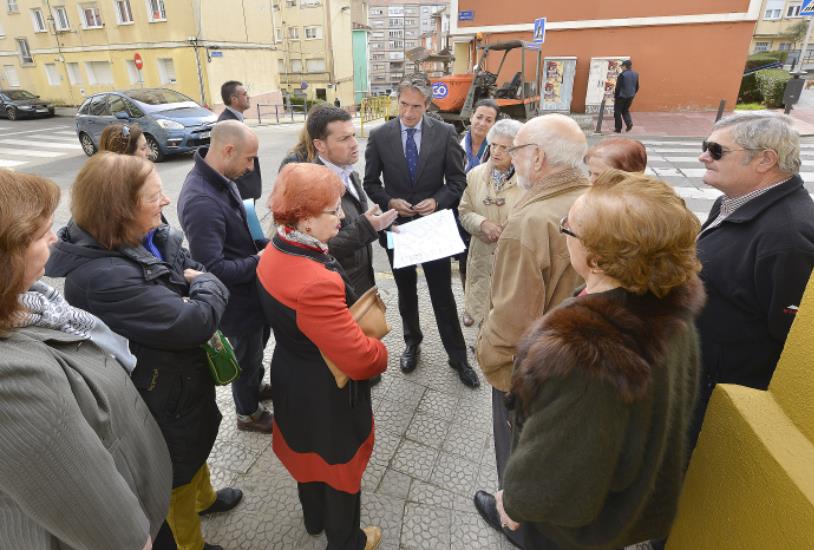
x,y
259,120
804,49
721,108
601,115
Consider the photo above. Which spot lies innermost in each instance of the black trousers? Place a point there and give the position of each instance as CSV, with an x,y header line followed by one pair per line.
x,y
164,539
335,512
249,349
621,110
439,280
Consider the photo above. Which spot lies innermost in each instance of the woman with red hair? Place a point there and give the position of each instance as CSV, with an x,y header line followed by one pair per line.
x,y
323,433
628,155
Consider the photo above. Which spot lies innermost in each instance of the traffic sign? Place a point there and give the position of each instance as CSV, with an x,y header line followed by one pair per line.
x,y
807,8
466,15
138,61
539,29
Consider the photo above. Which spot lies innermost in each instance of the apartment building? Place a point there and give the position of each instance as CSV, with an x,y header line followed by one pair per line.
x,y
779,20
397,27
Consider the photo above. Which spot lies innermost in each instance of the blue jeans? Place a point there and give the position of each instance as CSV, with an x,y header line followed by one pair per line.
x,y
249,348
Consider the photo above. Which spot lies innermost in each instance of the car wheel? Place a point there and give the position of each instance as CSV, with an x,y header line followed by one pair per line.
x,y
87,144
11,113
155,151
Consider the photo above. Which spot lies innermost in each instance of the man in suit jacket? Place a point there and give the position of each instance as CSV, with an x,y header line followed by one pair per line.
x,y
236,99
627,86
415,165
334,138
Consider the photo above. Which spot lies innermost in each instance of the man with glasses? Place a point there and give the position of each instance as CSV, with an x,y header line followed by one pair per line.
x,y
414,164
532,272
756,248
236,100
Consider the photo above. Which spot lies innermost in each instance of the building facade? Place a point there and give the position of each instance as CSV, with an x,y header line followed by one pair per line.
x,y
690,54
779,20
65,50
397,27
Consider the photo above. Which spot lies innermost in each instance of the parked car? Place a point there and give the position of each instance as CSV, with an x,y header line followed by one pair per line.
x,y
172,122
16,104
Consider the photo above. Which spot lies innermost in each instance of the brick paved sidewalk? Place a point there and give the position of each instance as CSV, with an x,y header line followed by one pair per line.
x,y
433,450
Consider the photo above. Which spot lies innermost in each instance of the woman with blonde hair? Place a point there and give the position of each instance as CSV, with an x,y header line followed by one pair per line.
x,y
604,386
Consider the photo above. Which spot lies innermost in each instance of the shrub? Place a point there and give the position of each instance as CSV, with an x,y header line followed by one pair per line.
x,y
749,92
764,58
772,83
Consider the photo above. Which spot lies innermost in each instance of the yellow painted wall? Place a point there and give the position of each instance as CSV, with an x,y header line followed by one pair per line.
x,y
750,485
462,64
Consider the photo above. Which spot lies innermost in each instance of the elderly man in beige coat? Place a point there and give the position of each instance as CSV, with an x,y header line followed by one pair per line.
x,y
532,272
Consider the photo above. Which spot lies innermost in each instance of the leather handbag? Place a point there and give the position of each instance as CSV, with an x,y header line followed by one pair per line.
x,y
220,356
368,312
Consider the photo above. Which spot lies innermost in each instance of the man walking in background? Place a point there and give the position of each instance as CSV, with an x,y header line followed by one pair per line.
x,y
627,86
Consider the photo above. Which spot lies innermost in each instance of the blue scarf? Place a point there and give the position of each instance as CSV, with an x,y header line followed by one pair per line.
x,y
150,245
473,160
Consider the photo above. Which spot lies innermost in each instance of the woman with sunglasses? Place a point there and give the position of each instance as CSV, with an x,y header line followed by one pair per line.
x,y
125,139
491,191
603,386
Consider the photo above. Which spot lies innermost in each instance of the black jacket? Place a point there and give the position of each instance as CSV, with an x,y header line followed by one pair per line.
x,y
214,221
627,84
755,266
149,302
439,175
352,245
250,184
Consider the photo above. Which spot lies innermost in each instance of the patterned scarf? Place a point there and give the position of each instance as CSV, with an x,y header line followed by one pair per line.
x,y
292,234
500,177
46,308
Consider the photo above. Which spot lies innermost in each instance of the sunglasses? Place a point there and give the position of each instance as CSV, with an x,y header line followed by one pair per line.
x,y
500,201
717,151
565,230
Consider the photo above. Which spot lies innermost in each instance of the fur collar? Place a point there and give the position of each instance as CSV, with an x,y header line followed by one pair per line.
x,y
614,336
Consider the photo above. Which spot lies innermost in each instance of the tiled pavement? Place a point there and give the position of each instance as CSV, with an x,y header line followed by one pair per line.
x,y
433,450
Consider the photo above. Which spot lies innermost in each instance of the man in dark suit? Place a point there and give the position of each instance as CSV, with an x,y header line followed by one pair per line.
x,y
414,164
627,86
334,138
236,99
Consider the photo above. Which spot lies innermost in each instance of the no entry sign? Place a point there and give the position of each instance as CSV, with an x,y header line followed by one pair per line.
x,y
138,61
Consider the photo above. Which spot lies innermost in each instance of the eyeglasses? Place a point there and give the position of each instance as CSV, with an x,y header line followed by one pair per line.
x,y
338,212
500,201
565,230
497,147
513,150
717,151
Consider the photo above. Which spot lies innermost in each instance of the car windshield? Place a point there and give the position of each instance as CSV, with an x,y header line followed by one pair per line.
x,y
157,97
19,94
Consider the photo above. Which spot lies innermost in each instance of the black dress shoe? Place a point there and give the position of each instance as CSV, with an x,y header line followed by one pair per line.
x,y
227,499
409,359
629,128
486,505
466,373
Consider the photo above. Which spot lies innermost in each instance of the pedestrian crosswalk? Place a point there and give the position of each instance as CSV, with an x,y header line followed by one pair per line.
x,y
21,147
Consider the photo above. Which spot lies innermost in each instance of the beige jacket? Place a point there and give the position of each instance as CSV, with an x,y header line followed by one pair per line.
x,y
481,255
532,272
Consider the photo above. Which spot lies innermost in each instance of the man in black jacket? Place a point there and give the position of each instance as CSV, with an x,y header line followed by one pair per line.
x,y
236,99
214,220
334,138
415,165
627,86
756,248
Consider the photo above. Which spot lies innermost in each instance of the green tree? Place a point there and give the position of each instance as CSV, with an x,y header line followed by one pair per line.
x,y
797,33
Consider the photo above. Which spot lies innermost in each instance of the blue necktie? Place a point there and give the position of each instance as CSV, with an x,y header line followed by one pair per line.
x,y
411,154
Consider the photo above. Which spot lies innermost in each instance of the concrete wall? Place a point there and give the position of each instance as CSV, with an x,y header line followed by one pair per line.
x,y
751,479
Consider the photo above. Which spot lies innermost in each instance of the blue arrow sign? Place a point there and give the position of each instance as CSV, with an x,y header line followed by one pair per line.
x,y
807,7
539,29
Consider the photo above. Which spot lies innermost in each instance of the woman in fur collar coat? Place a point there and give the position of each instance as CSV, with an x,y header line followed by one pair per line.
x,y
604,386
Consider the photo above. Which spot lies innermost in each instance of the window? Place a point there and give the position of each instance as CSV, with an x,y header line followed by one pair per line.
x,y
772,14
293,32
2,32
395,44
395,11
156,11
291,3
396,22
124,13
410,22
24,50
784,46
99,72
394,34
376,46
133,74
761,47
11,75
74,74
378,23
12,8
377,36
376,11
425,9
90,16
61,18
395,56
410,43
411,11
52,74
313,33
278,34
315,65
377,56
296,66
99,106
281,66
166,71
39,20
774,9
309,3
793,11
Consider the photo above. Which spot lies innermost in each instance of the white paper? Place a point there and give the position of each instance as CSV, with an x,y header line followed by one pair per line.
x,y
425,239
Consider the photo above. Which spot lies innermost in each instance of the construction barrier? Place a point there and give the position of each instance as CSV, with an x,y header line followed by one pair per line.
x,y
375,108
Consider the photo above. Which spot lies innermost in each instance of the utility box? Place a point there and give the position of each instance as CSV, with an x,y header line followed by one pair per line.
x,y
794,88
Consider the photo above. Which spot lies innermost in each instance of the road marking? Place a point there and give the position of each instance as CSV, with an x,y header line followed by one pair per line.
x,y
696,144
708,193
683,159
7,134
675,150
46,144
694,172
10,163
666,172
30,153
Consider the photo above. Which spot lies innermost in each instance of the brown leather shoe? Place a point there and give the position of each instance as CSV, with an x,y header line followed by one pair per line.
x,y
374,537
265,392
263,424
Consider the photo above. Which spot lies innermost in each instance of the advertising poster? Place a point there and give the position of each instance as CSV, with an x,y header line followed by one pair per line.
x,y
602,82
558,84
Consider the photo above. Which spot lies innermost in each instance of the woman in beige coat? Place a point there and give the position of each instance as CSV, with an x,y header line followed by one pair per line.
x,y
491,192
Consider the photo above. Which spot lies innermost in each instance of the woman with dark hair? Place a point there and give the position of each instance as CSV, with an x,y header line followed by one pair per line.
x,y
125,139
323,428
604,386
304,150
475,142
82,462
122,263
619,153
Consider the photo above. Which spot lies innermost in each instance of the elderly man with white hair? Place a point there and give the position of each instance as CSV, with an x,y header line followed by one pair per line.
x,y
532,273
756,248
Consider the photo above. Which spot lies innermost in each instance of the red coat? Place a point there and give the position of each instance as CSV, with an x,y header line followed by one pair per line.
x,y
321,433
